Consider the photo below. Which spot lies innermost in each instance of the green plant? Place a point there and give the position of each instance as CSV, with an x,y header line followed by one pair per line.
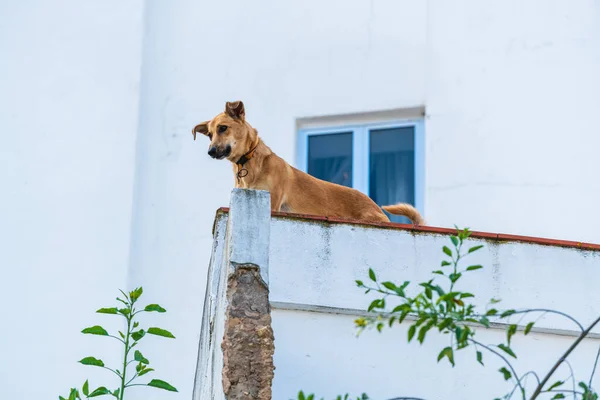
x,y
130,339
302,396
439,305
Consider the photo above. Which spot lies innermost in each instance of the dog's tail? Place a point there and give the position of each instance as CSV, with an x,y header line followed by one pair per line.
x,y
406,210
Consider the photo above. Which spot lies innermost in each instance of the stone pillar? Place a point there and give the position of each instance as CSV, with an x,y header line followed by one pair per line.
x,y
248,339
235,358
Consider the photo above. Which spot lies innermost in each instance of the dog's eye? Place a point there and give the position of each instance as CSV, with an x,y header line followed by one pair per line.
x,y
222,128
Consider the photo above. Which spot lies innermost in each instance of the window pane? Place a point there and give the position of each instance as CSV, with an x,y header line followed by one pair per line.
x,y
392,167
330,157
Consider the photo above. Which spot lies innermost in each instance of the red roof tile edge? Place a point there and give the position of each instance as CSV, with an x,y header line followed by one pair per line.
x,y
435,229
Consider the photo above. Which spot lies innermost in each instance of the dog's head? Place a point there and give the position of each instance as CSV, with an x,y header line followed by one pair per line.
x,y
229,133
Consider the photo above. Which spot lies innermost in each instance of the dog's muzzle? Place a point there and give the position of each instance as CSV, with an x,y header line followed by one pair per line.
x,y
219,153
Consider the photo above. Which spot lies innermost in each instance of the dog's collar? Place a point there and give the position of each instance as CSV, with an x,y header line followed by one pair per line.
x,y
246,157
242,172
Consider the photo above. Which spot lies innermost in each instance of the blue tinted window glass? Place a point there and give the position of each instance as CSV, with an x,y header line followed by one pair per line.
x,y
330,157
392,167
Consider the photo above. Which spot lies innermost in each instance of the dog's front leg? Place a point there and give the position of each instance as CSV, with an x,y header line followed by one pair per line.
x,y
276,200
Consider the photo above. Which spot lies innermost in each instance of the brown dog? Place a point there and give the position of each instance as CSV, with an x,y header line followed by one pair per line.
x,y
255,166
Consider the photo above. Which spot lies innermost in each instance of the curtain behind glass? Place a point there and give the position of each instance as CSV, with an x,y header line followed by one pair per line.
x,y
392,167
330,157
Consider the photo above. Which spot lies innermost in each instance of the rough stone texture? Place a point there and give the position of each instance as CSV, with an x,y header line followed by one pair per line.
x,y
248,341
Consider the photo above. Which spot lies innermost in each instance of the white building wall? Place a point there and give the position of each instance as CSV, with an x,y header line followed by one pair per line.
x,y
69,89
512,98
312,268
510,91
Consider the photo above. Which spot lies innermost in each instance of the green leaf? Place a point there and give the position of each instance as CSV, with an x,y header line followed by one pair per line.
x,y
474,267
507,313
445,263
438,290
507,350
95,330
475,248
101,391
139,357
423,331
372,275
136,324
494,301
402,316
510,331
124,294
454,277
447,251
583,386
374,304
134,295
122,335
439,272
116,393
160,332
466,295
506,373
454,240
555,385
112,310
162,385
559,396
124,311
92,361
145,371
479,357
447,352
445,324
491,311
359,283
74,395
389,286
155,307
411,332
86,388
484,321
528,328
137,335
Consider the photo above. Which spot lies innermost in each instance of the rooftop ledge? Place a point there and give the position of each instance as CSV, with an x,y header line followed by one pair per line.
x,y
308,266
497,237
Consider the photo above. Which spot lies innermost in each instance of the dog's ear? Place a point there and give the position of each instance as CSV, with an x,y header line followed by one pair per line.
x,y
235,109
200,128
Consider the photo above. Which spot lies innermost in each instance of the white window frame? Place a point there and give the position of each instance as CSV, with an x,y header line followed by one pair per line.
x,y
360,152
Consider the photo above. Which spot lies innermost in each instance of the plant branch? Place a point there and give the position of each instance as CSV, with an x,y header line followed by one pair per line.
x,y
551,312
126,353
134,376
562,391
594,370
514,373
118,338
113,371
571,377
537,378
538,390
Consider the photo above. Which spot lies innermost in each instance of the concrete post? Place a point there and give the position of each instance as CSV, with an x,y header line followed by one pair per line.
x,y
240,320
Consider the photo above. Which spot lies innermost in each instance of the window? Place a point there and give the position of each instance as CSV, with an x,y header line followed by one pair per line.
x,y
384,161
